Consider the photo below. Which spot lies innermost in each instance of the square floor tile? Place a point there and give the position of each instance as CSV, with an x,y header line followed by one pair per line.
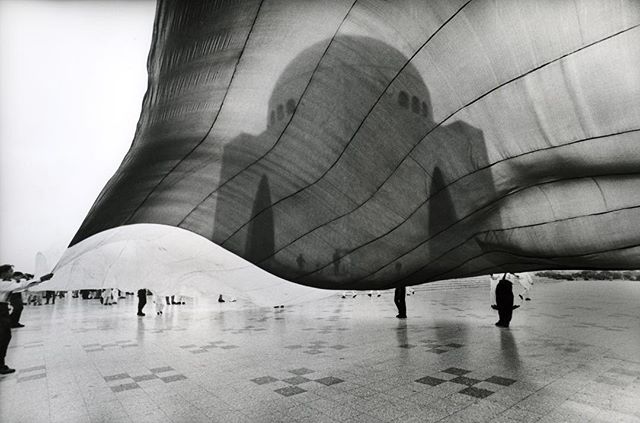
x,y
296,380
503,381
465,380
456,371
125,387
329,380
117,377
431,381
264,379
32,377
161,369
144,377
172,378
290,390
301,371
31,369
476,392
454,345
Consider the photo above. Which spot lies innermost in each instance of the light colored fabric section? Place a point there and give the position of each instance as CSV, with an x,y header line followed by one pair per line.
x,y
168,261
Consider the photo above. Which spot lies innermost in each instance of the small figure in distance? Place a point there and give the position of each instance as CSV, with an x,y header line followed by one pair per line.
x,y
349,293
220,300
399,299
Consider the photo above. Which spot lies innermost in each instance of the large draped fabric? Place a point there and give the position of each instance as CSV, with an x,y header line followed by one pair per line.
x,y
368,144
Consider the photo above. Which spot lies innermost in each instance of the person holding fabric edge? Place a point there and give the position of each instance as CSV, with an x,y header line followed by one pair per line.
x,y
8,286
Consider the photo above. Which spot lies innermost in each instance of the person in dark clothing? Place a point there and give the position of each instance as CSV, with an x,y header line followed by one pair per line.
x,y
142,301
50,295
504,302
399,299
8,286
15,299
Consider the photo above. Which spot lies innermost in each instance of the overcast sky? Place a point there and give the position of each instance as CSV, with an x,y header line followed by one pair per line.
x,y
72,79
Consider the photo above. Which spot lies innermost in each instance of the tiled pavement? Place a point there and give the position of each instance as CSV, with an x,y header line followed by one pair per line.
x,y
571,355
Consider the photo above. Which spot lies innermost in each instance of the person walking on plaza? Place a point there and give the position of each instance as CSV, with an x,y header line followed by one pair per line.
x,y
399,298
142,301
7,286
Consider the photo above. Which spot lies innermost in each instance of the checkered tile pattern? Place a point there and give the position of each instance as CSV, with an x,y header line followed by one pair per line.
x,y
316,347
101,347
436,347
326,329
199,349
27,345
167,329
124,381
244,330
295,381
466,382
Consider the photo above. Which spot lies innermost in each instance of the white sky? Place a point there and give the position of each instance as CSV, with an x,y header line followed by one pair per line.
x,y
72,79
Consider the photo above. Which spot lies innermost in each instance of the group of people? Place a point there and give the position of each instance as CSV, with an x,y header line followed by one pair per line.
x,y
501,296
11,287
12,284
159,300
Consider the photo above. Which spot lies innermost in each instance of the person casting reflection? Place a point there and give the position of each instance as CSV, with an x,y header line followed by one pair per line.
x,y
504,300
142,301
399,298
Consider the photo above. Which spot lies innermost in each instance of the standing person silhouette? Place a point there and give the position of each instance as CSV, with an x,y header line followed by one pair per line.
x,y
399,299
7,286
142,301
399,296
504,300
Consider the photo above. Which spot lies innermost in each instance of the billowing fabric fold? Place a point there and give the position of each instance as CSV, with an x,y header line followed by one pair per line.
x,y
362,144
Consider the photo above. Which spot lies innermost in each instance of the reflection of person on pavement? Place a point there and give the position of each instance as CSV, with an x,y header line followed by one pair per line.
x,y
504,299
399,299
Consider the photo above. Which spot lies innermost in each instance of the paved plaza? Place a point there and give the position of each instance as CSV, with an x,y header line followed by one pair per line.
x,y
571,355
